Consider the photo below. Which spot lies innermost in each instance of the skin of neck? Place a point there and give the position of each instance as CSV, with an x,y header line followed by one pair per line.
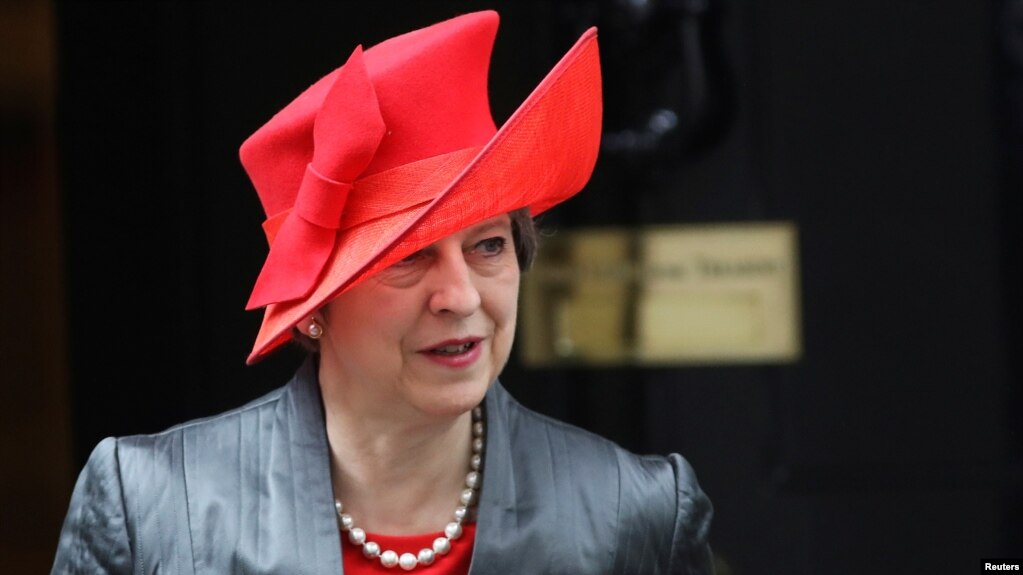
x,y
396,474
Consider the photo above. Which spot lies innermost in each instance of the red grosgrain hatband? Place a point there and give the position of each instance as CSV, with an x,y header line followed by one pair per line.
x,y
397,149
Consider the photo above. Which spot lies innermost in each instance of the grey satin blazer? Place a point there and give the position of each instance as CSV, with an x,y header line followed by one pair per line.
x,y
249,491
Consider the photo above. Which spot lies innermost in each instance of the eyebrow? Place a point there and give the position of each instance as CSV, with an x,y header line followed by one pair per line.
x,y
488,225
478,229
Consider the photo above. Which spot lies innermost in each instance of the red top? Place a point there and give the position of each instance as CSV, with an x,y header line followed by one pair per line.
x,y
456,562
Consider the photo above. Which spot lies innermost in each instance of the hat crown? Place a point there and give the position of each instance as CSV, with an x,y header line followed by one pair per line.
x,y
431,87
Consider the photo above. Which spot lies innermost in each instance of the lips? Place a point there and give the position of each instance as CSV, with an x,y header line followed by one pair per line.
x,y
453,347
456,353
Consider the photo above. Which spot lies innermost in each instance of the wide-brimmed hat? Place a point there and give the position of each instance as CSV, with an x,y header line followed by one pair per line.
x,y
397,149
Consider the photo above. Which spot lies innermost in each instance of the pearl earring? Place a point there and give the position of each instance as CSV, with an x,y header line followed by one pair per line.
x,y
315,331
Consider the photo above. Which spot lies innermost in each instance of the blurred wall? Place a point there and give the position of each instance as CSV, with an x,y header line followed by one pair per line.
x,y
35,443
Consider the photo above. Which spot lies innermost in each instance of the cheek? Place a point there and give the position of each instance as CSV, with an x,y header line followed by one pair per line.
x,y
382,322
504,316
362,319
506,301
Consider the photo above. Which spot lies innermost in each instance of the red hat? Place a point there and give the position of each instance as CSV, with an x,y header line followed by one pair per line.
x,y
397,149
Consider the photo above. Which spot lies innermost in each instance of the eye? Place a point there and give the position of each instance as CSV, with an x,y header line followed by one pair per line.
x,y
491,246
409,260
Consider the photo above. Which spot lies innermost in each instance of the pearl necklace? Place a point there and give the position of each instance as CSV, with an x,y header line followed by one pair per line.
x,y
452,531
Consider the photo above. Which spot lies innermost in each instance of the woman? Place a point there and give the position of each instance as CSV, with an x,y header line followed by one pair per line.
x,y
399,222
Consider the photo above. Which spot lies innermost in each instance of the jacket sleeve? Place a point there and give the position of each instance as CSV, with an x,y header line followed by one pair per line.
x,y
690,550
94,538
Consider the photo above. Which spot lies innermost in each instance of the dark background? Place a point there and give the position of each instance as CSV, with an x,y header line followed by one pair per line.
x,y
890,132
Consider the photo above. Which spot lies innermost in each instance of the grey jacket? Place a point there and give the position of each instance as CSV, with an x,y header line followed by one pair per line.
x,y
249,491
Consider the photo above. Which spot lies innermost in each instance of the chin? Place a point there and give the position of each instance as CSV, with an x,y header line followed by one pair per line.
x,y
451,399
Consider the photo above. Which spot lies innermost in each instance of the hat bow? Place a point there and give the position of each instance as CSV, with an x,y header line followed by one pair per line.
x,y
346,134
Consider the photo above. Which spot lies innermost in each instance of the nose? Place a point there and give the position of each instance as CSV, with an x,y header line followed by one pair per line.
x,y
453,286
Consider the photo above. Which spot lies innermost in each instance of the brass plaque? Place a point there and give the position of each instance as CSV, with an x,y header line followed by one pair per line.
x,y
664,295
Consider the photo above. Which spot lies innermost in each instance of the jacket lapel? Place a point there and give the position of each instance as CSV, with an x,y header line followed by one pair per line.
x,y
300,474
497,524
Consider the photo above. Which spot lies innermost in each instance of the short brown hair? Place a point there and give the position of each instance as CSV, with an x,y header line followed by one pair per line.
x,y
525,237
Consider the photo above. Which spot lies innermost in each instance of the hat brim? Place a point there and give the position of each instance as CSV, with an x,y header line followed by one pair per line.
x,y
541,156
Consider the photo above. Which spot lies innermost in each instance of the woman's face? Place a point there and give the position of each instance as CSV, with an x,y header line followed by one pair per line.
x,y
430,333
